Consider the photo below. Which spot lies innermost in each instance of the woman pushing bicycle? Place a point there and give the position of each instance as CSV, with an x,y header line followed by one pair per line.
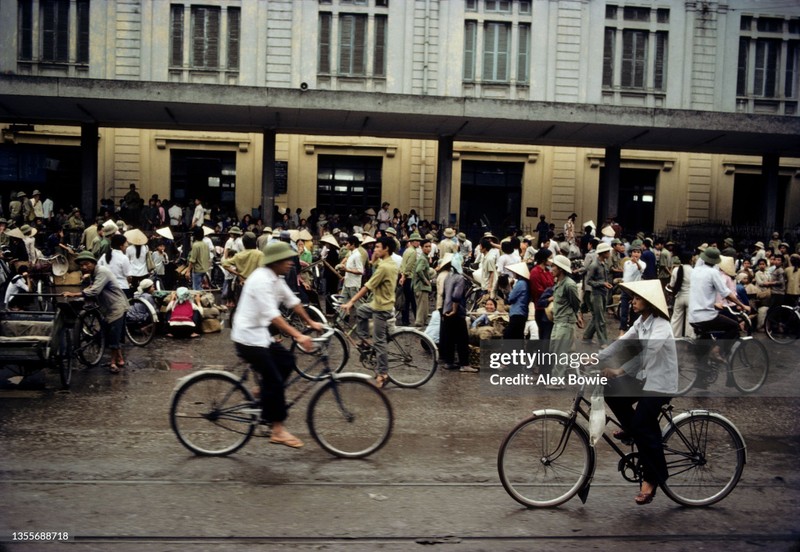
x,y
649,380
259,307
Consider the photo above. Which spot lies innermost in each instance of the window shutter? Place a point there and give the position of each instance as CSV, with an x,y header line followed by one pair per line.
x,y
359,44
503,36
470,32
176,40
608,57
25,30
48,25
324,62
83,31
634,51
379,63
790,89
346,31
234,22
758,85
660,66
741,75
212,37
62,31
523,53
489,45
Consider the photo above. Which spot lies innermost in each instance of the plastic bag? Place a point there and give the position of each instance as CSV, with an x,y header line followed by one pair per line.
x,y
597,416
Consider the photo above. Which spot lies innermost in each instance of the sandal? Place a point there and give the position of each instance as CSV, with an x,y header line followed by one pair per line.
x,y
645,498
114,369
380,381
290,441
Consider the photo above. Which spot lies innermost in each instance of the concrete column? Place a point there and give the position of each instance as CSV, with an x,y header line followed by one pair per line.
x,y
89,158
769,208
608,203
268,178
444,179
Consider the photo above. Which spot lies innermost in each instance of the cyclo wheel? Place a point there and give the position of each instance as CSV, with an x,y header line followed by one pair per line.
x,y
310,365
65,359
349,417
782,324
412,358
705,458
89,340
748,364
45,304
141,333
540,466
213,415
688,365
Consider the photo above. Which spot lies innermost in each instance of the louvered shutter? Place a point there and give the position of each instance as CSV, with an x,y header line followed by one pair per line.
x,y
324,61
176,40
234,23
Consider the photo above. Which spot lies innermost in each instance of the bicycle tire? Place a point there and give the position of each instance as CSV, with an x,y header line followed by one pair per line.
x,y
89,340
532,470
141,333
65,359
782,324
688,364
349,417
411,358
748,364
213,415
309,365
44,304
705,459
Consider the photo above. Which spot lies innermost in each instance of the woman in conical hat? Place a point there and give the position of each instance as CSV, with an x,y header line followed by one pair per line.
x,y
648,380
518,299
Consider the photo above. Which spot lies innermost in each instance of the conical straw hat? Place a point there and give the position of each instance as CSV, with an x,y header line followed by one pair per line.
x,y
165,233
650,291
520,269
136,237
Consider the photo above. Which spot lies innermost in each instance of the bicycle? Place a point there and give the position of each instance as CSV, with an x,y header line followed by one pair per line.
x,y
213,413
746,365
140,331
782,323
412,355
546,459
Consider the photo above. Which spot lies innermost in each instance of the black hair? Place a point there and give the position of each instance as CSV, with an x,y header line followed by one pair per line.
x,y
387,243
116,241
198,233
486,243
249,241
506,247
352,240
542,255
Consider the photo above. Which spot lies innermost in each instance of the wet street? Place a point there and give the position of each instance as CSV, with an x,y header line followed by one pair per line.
x,y
101,463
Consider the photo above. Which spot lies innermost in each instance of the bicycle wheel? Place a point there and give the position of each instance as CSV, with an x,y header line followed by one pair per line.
x,y
65,358
213,415
412,358
705,459
89,340
140,333
349,417
542,466
310,366
44,303
688,364
748,364
782,324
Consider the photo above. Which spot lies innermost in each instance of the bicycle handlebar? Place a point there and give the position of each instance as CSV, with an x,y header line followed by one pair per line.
x,y
324,337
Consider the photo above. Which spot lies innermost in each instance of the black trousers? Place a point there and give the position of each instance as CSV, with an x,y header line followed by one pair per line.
x,y
516,327
721,323
454,338
410,304
273,364
641,423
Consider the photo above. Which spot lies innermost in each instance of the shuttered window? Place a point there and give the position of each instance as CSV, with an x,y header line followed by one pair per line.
x,y
470,40
234,31
352,44
495,53
55,31
766,68
324,61
25,30
660,63
205,37
379,58
610,40
523,53
634,58
82,50
176,39
790,87
741,75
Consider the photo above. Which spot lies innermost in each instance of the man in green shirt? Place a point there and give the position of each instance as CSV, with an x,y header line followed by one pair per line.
x,y
422,286
382,284
199,259
407,267
245,262
566,312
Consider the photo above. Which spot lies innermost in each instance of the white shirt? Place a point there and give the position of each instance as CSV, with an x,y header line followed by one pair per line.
x,y
353,262
505,260
138,264
120,267
259,304
199,215
705,284
632,271
210,245
47,208
398,260
16,285
175,215
687,280
657,363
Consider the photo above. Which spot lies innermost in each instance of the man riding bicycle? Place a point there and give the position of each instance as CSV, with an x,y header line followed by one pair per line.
x,y
264,291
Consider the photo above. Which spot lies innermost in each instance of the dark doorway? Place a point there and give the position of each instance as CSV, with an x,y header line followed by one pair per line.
x,y
209,175
491,194
636,208
53,170
749,198
346,182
